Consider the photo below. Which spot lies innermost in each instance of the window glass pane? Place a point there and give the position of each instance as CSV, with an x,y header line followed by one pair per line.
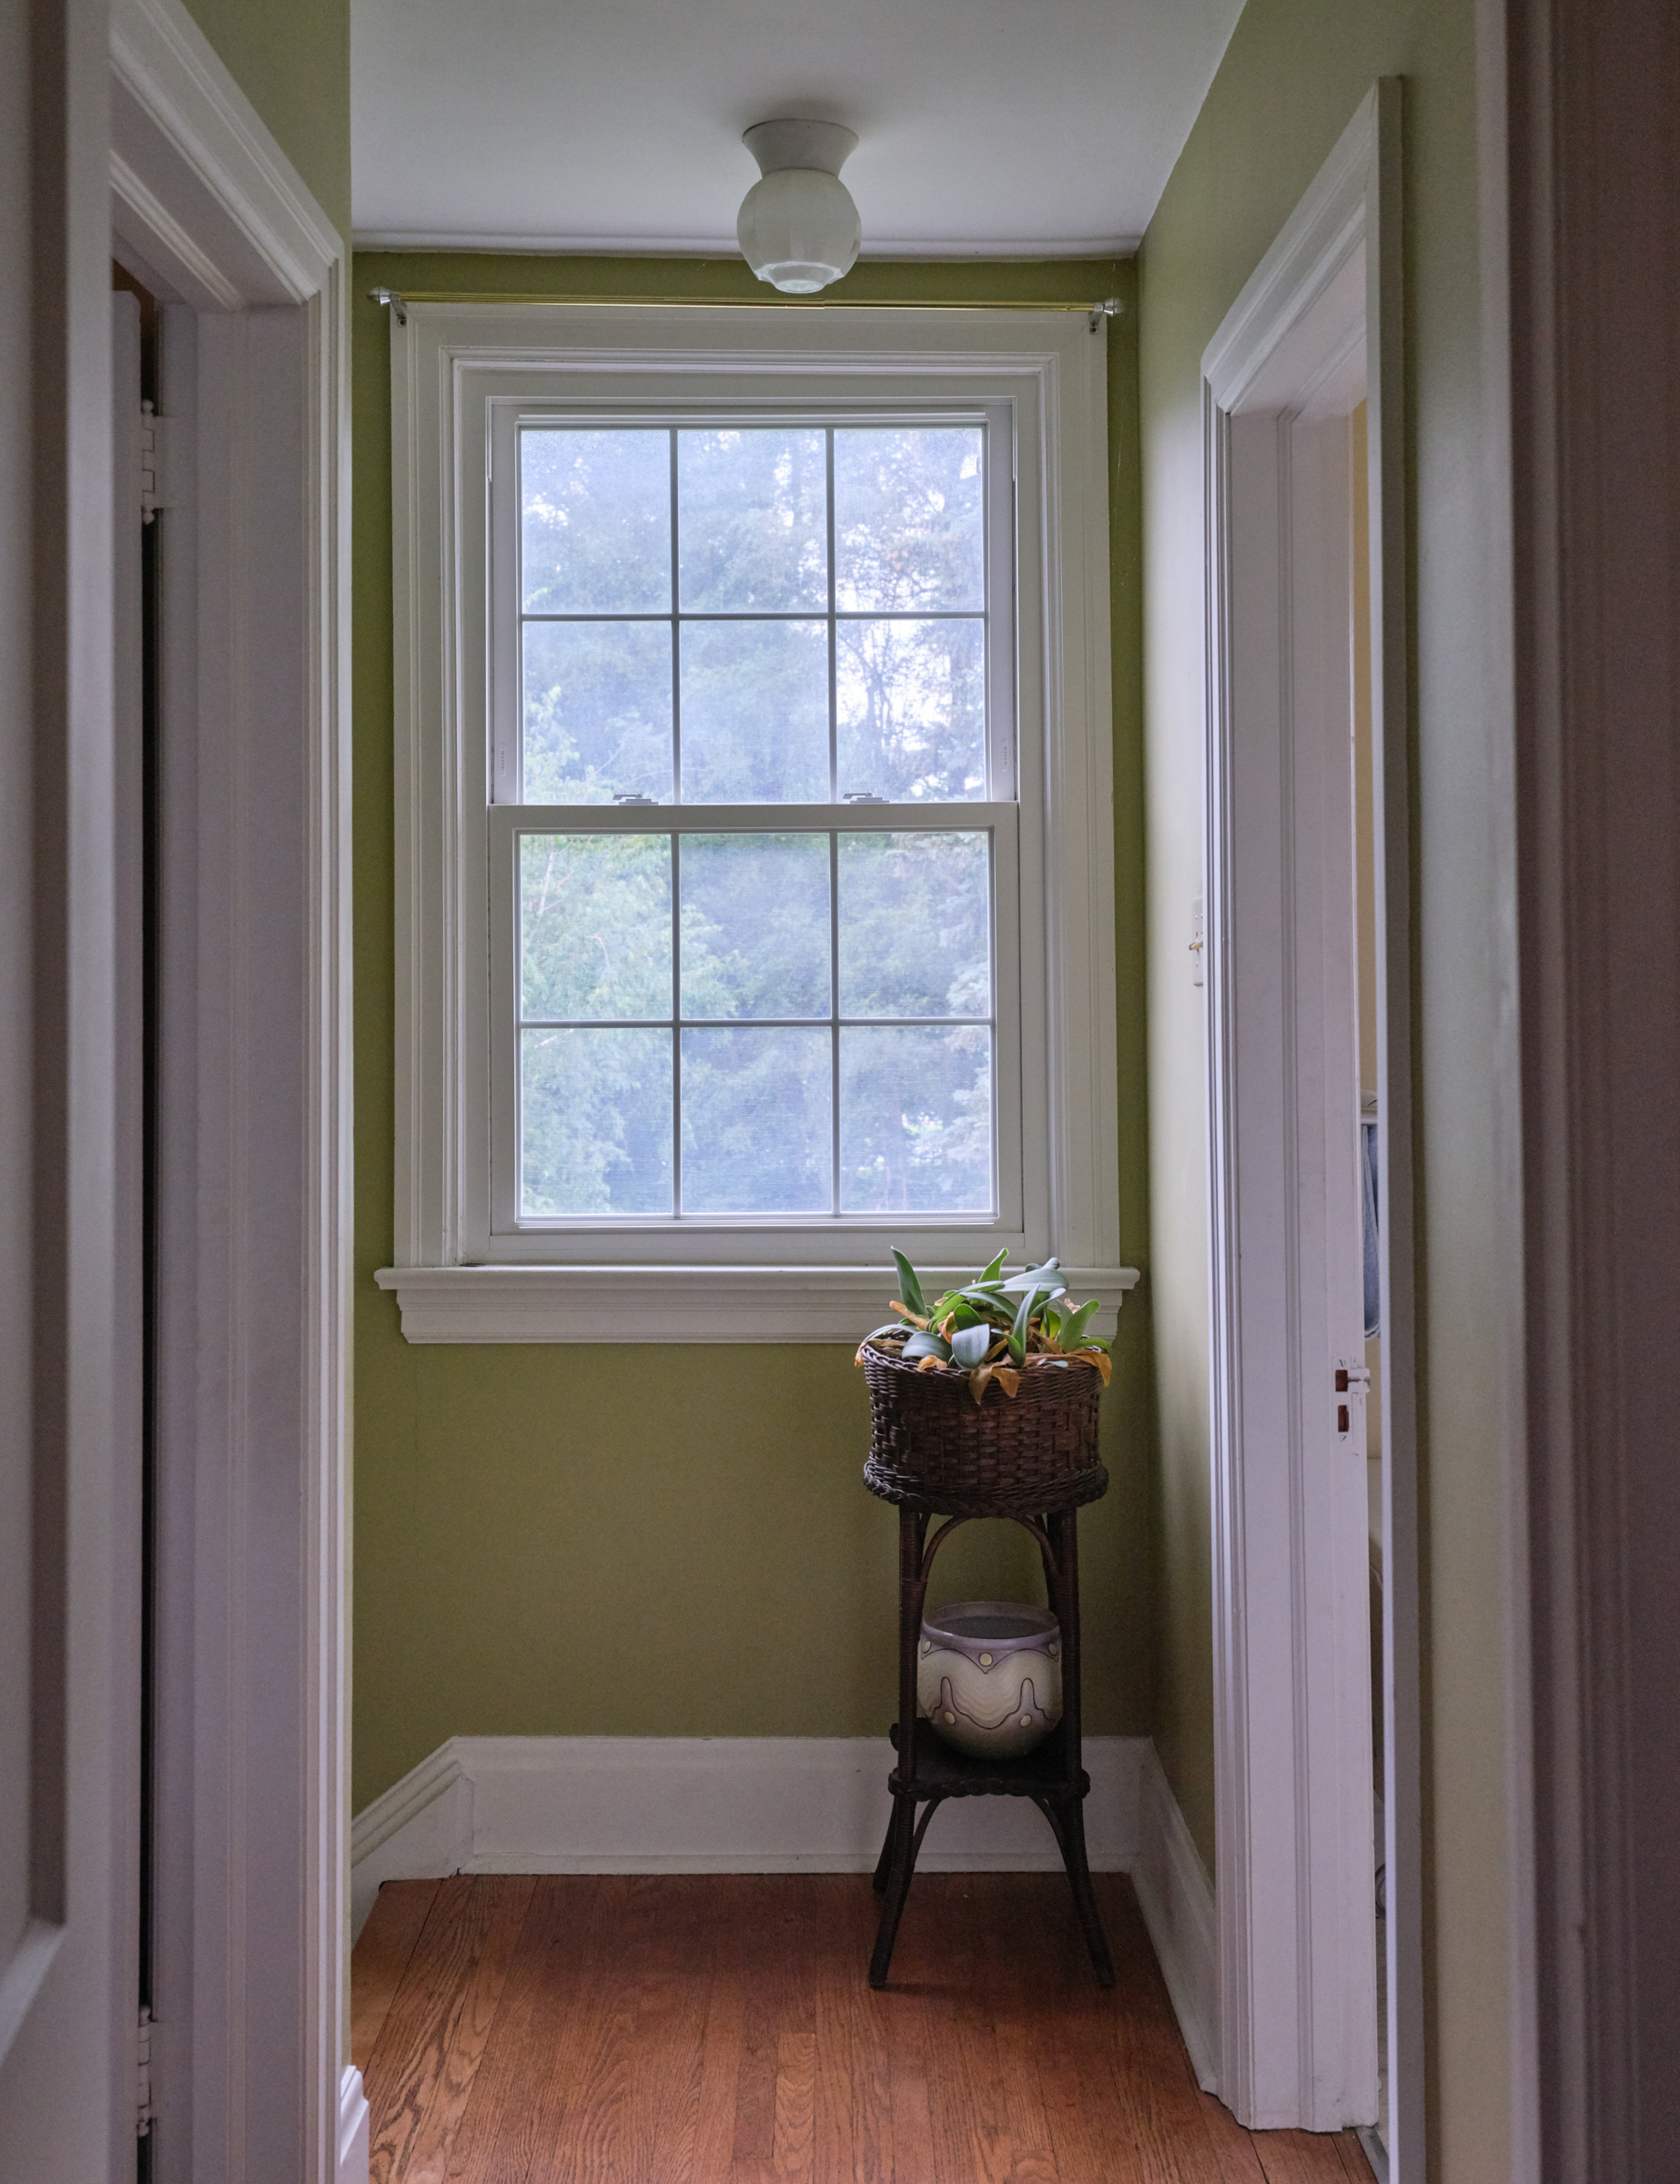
x,y
916,1119
912,709
755,713
914,924
753,521
909,519
597,712
594,925
756,1121
595,521
594,1122
756,928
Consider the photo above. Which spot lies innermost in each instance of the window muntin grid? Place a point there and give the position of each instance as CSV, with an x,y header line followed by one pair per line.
x,y
626,1046
668,653
661,616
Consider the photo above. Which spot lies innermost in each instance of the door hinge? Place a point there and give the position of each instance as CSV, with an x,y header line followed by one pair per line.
x,y
157,462
144,2112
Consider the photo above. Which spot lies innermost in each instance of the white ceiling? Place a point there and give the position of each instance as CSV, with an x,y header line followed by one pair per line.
x,y
992,127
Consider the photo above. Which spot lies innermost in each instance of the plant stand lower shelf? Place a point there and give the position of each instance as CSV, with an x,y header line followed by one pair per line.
x,y
929,1771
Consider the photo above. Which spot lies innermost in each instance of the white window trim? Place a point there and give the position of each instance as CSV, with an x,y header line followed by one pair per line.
x,y
1051,368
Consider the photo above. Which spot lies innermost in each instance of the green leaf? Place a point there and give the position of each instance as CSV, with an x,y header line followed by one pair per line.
x,y
1074,1327
1054,1321
893,1326
926,1346
1018,1333
909,1287
1036,1277
992,1272
969,1346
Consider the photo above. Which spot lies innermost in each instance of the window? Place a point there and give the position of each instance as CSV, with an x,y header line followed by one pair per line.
x,y
732,651
753,754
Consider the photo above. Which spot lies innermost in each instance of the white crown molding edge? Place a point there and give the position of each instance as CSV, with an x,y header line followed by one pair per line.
x,y
682,1304
1309,250
164,61
1095,248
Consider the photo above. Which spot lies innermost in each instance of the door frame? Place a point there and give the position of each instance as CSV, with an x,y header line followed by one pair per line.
x,y
1294,1994
250,2053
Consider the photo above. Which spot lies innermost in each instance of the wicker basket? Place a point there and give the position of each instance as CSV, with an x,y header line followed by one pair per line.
x,y
1027,1454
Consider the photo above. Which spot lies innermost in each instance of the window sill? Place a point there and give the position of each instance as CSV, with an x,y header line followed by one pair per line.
x,y
673,1304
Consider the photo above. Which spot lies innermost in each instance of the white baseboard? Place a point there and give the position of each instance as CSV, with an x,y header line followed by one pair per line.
x,y
1176,1897
353,2150
777,1805
702,1804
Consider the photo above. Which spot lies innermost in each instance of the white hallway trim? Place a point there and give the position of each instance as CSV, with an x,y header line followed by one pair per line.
x,y
254,1118
354,2123
777,1805
687,1304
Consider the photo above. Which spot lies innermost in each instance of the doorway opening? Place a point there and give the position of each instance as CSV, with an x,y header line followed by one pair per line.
x,y
1307,968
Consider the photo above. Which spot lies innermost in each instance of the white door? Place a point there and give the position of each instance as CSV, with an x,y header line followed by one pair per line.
x,y
68,1455
1309,336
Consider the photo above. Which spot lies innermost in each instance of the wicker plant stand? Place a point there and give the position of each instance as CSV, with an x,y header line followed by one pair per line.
x,y
1031,1459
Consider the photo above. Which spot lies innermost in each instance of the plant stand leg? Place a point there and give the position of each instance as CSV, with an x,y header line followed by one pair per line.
x,y
884,1864
1084,1899
905,1841
1065,1539
897,1859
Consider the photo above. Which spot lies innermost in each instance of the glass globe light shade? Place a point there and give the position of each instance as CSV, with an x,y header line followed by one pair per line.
x,y
798,230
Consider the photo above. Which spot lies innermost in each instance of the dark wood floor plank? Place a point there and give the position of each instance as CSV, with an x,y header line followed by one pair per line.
x,y
766,2003
513,2110
1300,2156
722,2039
1152,2071
594,2143
1353,2162
971,2145
720,2030
855,2023
670,2039
408,2061
428,2156
1233,2148
795,2103
382,1957
1016,2026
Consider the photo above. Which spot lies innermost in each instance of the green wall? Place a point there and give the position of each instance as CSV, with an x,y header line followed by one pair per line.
x,y
1291,80
293,63
594,1540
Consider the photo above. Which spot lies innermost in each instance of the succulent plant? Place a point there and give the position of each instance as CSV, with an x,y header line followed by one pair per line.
x,y
995,1326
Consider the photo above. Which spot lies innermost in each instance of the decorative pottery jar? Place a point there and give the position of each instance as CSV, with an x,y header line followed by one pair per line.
x,y
988,1676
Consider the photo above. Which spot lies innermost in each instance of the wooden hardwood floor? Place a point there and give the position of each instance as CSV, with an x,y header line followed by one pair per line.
x,y
720,2030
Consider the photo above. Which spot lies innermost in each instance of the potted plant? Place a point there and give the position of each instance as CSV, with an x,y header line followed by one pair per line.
x,y
985,1402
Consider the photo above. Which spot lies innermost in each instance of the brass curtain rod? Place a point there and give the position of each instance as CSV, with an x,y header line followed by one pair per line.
x,y
1109,307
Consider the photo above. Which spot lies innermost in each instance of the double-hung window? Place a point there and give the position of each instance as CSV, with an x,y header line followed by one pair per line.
x,y
752,815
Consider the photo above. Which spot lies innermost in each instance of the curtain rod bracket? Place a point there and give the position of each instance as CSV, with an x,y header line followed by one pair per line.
x,y
1109,307
400,309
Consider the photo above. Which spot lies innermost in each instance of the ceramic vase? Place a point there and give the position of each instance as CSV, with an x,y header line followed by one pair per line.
x,y
988,1676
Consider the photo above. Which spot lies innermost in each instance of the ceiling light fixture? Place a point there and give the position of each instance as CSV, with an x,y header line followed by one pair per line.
x,y
798,228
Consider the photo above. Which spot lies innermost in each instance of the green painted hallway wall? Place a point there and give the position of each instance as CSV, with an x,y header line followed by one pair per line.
x,y
1292,77
293,63
591,1541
